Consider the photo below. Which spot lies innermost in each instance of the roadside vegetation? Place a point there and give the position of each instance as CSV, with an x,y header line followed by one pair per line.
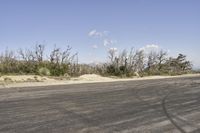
x,y
62,62
136,62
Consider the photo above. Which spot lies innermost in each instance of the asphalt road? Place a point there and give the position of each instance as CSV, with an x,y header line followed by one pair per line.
x,y
149,106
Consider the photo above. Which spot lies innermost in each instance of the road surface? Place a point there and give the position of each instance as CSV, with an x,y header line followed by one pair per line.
x,y
147,106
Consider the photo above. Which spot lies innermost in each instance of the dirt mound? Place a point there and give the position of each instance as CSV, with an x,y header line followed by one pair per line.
x,y
93,77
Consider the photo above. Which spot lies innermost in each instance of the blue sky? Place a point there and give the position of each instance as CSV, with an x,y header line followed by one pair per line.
x,y
91,27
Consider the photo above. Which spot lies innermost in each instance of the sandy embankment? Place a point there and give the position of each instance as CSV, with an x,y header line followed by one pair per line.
x,y
33,80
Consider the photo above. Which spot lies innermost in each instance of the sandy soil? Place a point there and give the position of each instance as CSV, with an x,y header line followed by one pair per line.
x,y
33,80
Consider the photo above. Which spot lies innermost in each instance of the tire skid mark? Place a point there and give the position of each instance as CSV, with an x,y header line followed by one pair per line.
x,y
185,121
168,115
163,100
171,117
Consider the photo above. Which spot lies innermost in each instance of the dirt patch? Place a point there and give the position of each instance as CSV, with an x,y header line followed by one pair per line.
x,y
92,77
33,80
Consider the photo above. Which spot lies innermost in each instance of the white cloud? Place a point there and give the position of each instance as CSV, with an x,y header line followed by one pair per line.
x,y
107,42
94,46
149,48
95,33
113,49
152,46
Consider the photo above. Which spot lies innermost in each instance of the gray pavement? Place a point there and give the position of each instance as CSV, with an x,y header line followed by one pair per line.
x,y
148,106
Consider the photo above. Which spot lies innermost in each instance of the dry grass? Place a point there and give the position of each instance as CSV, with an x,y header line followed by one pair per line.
x,y
23,78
